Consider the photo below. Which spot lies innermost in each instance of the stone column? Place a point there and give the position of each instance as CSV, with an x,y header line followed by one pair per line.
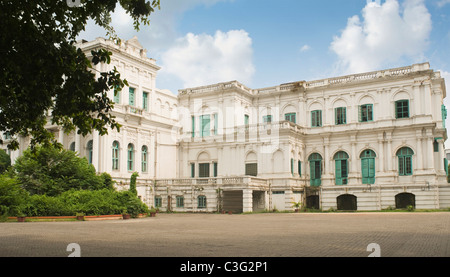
x,y
429,153
95,149
247,200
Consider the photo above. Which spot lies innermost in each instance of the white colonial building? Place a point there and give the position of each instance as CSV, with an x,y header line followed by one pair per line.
x,y
360,142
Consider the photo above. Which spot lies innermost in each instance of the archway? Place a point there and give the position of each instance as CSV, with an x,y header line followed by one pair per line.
x,y
347,202
405,199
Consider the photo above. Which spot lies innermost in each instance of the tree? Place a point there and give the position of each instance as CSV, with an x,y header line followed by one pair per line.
x,y
5,161
133,183
50,170
44,77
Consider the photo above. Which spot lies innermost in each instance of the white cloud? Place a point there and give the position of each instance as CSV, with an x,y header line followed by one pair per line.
x,y
161,32
204,59
442,3
386,34
305,48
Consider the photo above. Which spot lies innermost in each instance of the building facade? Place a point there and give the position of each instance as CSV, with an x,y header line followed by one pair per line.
x,y
366,141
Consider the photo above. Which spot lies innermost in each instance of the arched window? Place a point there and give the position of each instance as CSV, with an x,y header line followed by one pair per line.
x,y
72,146
130,157
89,149
115,155
144,158
405,161
341,168
315,169
368,166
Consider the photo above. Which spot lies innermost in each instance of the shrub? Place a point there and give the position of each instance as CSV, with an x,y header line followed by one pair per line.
x,y
52,171
5,161
12,197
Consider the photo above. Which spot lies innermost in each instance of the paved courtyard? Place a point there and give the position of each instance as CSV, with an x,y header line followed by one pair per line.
x,y
237,235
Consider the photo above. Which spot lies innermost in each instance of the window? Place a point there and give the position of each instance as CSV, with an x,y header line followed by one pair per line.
x,y
144,158
246,119
405,161
290,117
299,168
251,169
192,170
267,119
203,170
316,118
158,201
315,167
145,101
205,121
193,126
444,114
130,157
7,135
435,146
341,168
72,146
368,166
90,151
116,96
340,115
201,202
215,169
180,201
366,113
115,155
131,97
402,109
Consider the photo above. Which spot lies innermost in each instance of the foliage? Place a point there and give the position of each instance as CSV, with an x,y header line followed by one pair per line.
x,y
12,196
133,183
51,171
85,202
44,75
5,161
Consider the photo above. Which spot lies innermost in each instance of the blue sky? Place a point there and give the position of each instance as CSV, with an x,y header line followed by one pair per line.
x,y
265,43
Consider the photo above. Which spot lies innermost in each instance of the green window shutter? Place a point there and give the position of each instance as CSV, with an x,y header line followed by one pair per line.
x,y
338,170
205,121
402,109
340,115
131,97
444,114
267,119
116,96
215,169
365,171
246,119
193,126
371,171
316,118
315,170
299,168
290,117
446,166
145,101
